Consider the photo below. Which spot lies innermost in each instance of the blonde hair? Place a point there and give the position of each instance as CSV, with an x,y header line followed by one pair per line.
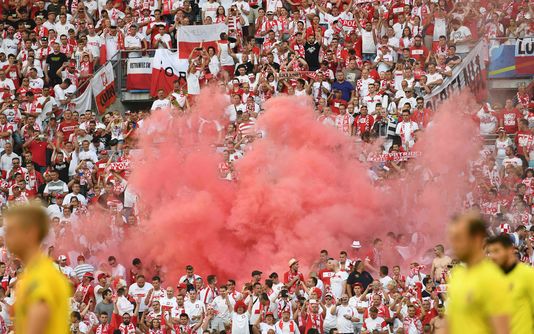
x,y
31,214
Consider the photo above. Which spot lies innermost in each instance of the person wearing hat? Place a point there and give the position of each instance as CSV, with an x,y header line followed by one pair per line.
x,y
293,277
256,276
240,317
330,320
286,325
86,288
102,283
263,326
64,268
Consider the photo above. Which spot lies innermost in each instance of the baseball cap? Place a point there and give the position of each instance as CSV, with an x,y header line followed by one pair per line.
x,y
102,275
62,258
88,275
256,272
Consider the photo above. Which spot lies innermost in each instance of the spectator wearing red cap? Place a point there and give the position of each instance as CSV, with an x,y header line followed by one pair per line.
x,y
240,318
286,325
102,283
86,288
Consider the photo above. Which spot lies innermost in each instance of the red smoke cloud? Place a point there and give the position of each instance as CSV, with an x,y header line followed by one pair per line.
x,y
301,188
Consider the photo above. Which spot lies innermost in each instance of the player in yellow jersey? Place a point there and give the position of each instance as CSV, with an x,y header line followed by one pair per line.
x,y
520,282
42,291
478,298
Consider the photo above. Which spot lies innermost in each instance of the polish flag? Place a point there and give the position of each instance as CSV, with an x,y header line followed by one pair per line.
x,y
166,69
191,37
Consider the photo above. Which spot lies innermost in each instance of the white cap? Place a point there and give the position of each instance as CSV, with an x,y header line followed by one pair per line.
x,y
312,301
62,258
356,244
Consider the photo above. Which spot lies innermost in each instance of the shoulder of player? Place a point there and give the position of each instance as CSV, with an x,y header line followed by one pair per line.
x,y
524,271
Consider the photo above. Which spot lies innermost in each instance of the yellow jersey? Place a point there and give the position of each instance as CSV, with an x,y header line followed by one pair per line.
x,y
42,281
474,295
521,285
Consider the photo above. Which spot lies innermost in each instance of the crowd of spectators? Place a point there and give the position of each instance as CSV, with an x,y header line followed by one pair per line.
x,y
366,65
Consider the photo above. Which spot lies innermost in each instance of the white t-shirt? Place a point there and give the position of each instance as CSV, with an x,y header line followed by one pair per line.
x,y
118,271
488,122
210,9
337,282
285,327
140,292
221,308
93,44
240,323
460,34
515,161
67,271
165,103
344,325
385,281
433,77
231,111
133,42
163,41
368,42
330,321
193,309
265,328
7,84
317,89
6,161
358,302
371,324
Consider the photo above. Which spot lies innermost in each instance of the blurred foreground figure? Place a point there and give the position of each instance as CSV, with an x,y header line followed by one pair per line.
x,y
520,282
42,291
479,298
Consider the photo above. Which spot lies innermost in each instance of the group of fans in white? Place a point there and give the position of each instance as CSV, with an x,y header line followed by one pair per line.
x,y
338,296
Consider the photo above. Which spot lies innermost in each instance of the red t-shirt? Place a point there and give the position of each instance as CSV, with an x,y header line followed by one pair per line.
x,y
419,53
325,275
288,276
509,119
335,103
428,316
523,139
68,128
38,150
